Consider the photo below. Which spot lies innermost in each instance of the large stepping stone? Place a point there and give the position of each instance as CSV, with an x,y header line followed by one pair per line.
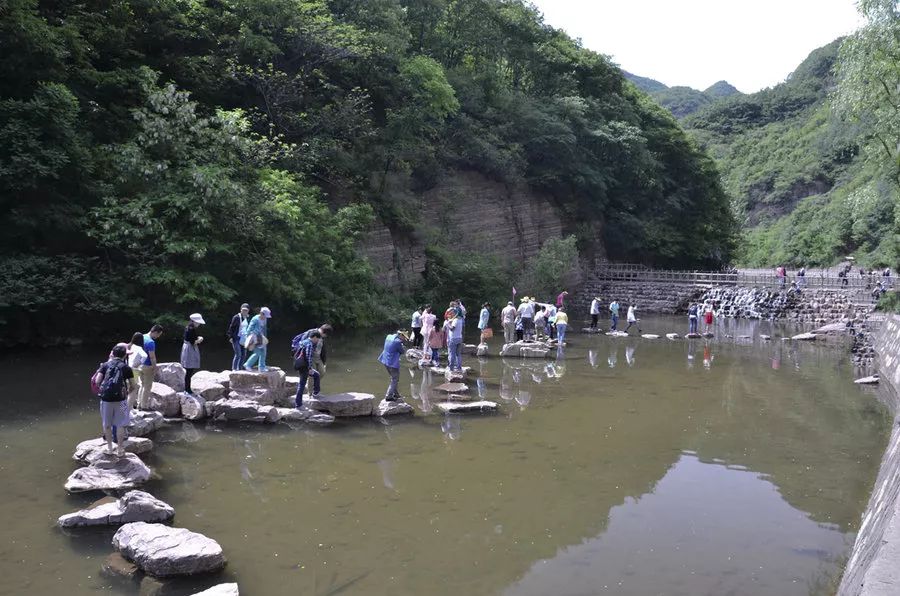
x,y
672,336
650,336
135,505
452,388
87,451
207,389
193,407
144,422
617,334
244,410
693,336
528,349
242,379
165,400
448,407
305,415
170,374
392,408
805,337
343,405
222,378
109,472
220,590
163,551
873,380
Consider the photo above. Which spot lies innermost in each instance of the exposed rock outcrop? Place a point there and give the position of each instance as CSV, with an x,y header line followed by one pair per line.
x,y
164,551
133,506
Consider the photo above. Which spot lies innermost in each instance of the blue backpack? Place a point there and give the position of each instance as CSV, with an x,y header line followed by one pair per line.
x,y
295,343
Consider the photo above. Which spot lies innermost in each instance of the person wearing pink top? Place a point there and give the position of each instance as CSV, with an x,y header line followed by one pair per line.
x,y
561,299
428,319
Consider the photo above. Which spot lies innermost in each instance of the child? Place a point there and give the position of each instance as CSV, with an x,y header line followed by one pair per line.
x,y
436,342
113,378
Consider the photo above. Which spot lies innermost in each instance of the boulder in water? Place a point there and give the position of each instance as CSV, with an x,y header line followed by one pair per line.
x,y
805,337
449,407
693,336
109,472
240,409
343,404
482,350
414,355
165,400
87,451
672,336
240,380
170,374
144,422
165,551
115,566
193,407
135,505
392,408
220,590
873,380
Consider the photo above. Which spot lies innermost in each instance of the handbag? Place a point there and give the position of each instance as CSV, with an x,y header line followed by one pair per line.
x,y
250,342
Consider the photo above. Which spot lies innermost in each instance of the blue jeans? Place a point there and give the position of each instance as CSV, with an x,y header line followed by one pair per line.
x,y
435,356
561,332
304,377
693,321
395,380
615,322
455,348
258,356
239,354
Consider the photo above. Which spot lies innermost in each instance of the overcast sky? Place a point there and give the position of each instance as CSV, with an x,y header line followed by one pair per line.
x,y
752,45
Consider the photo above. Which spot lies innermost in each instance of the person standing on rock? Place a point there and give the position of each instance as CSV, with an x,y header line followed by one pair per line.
x,y
692,318
428,319
483,318
258,340
135,360
614,315
801,277
508,320
190,350
708,318
595,311
114,378
436,341
454,342
320,356
148,371
390,358
561,299
631,317
237,335
304,363
562,324
526,314
540,321
416,326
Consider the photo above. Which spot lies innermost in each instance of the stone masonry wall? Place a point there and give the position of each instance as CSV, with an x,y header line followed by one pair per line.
x,y
874,564
650,298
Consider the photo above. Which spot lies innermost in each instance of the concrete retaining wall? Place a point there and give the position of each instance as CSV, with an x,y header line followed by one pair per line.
x,y
874,565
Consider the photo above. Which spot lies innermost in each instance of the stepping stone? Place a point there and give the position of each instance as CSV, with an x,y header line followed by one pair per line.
x,y
693,336
115,566
343,404
240,410
414,355
242,379
193,407
458,398
805,337
452,388
448,407
87,451
163,551
144,422
672,336
393,408
873,380
832,328
220,590
135,505
109,472
305,415
617,334
765,337
650,336
165,400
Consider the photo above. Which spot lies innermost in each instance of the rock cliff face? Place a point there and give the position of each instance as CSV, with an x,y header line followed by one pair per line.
x,y
474,212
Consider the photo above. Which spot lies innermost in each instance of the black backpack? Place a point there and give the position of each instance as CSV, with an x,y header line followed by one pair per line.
x,y
113,386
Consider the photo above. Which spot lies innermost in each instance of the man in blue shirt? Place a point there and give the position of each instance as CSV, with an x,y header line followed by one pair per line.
x,y
148,371
390,358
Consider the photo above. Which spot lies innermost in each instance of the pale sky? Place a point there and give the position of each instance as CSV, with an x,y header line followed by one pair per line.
x,y
751,45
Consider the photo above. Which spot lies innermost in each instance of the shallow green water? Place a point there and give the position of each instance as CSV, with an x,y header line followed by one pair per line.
x,y
625,466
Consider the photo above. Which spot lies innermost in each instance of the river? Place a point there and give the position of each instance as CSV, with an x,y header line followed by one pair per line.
x,y
623,466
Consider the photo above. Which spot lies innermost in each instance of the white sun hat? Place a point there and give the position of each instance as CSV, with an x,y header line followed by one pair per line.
x,y
198,318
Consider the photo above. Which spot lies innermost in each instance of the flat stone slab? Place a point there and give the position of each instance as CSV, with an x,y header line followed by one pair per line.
x,y
342,405
164,551
589,330
672,336
87,451
449,407
873,380
109,472
452,388
805,337
144,422
220,590
617,334
693,335
135,505
305,415
392,408
650,336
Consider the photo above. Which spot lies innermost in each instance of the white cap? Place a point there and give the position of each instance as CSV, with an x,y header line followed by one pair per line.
x,y
264,311
198,318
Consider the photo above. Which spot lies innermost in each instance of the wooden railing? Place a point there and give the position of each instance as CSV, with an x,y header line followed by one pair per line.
x,y
817,280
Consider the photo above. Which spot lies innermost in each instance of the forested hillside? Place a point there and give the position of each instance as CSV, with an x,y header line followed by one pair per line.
x,y
162,157
682,101
796,174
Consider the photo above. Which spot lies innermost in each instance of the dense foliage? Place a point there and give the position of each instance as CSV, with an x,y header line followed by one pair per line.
x,y
682,101
163,156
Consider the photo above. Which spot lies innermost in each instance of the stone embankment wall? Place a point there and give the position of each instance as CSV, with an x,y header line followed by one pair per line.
x,y
468,210
650,297
874,564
